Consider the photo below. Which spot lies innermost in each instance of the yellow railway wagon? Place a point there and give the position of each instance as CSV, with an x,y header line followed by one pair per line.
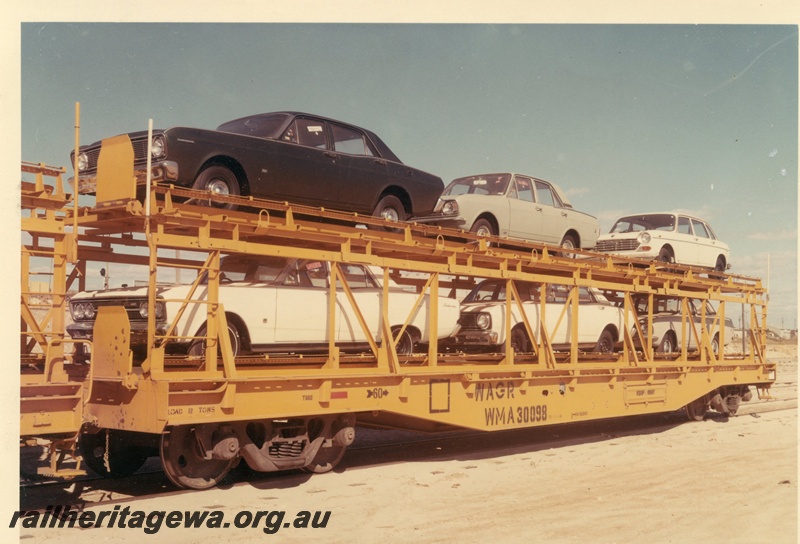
x,y
204,410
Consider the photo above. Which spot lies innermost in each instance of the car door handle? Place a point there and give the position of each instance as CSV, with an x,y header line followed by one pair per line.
x,y
379,161
538,208
330,154
563,214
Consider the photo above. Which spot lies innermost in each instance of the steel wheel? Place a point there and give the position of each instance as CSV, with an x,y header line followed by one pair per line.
x,y
519,340
197,348
405,346
668,344
110,444
567,243
696,410
605,344
184,462
220,182
665,255
715,345
326,459
391,209
483,227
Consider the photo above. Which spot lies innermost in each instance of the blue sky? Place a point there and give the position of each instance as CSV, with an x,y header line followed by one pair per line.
x,y
625,118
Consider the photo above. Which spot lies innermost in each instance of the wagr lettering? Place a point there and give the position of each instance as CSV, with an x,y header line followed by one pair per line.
x,y
494,391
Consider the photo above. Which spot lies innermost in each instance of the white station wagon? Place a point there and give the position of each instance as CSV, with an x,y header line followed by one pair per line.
x,y
483,315
514,206
667,237
274,304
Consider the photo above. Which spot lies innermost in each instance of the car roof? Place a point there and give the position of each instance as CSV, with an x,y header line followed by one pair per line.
x,y
662,213
383,149
561,195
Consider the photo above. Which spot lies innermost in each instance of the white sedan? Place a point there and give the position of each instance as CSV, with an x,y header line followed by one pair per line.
x,y
668,237
667,334
274,304
483,315
514,206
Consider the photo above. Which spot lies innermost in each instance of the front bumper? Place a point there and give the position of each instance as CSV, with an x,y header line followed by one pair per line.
x,y
447,221
161,171
475,338
84,330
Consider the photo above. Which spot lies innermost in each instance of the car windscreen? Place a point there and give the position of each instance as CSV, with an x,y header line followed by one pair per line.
x,y
486,184
261,126
639,223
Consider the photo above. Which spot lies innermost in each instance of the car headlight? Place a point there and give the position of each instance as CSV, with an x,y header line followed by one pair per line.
x,y
158,148
450,207
83,310
644,237
83,162
483,321
160,311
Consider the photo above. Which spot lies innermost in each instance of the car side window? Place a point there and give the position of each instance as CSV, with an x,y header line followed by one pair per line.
x,y
700,229
351,141
544,194
357,276
307,132
683,226
524,189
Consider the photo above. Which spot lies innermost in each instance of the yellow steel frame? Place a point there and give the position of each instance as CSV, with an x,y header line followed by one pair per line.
x,y
429,390
456,389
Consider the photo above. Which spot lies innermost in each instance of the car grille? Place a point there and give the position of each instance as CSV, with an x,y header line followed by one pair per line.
x,y
131,308
628,244
467,320
139,155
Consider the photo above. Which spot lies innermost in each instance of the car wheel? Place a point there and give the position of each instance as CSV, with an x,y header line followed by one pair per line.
x,y
665,255
668,344
220,182
390,208
405,346
720,266
568,242
605,344
483,227
198,346
715,345
519,340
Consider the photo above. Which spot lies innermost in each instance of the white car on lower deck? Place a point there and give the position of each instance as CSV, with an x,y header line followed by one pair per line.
x,y
483,315
668,237
278,305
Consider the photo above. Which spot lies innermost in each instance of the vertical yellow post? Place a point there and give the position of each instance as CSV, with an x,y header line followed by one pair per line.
x,y
333,351
433,318
572,323
212,323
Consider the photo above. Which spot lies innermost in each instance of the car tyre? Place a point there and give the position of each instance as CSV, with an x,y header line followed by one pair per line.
x,y
605,344
198,346
218,180
568,242
665,255
483,227
391,209
668,344
519,340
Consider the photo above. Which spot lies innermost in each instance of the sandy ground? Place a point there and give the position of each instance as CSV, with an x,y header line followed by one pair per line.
x,y
718,480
